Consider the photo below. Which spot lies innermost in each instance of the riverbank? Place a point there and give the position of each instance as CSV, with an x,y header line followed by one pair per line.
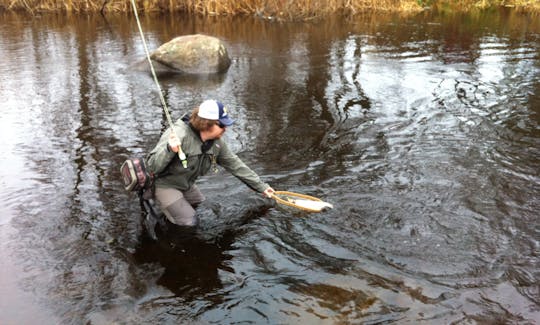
x,y
267,8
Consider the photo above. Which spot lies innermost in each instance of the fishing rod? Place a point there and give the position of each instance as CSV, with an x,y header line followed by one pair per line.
x,y
181,153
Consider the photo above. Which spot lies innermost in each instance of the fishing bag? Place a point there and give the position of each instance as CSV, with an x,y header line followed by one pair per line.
x,y
136,177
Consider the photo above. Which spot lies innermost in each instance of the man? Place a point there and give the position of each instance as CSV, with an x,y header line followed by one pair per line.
x,y
199,137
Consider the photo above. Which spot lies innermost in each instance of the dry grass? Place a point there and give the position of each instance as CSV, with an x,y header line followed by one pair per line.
x,y
291,8
532,6
282,9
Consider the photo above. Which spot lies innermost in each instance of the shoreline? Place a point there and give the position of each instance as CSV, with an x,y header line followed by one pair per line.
x,y
302,9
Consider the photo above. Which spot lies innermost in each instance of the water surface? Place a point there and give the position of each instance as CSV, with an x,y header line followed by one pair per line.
x,y
422,131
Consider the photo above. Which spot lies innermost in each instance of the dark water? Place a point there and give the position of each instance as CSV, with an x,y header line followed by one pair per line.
x,y
423,132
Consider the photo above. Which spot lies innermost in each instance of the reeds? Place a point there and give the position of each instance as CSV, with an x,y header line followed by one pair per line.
x,y
281,9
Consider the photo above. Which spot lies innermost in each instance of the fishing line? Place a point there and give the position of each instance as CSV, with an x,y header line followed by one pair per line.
x,y
181,153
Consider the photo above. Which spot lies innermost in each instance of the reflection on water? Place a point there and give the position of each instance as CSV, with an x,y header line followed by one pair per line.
x,y
422,131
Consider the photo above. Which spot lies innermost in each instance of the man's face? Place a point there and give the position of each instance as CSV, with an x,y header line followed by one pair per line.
x,y
216,131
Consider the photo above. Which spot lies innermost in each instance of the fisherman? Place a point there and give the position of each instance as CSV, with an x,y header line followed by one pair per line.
x,y
199,136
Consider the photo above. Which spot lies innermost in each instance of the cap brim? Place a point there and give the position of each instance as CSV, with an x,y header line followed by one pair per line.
x,y
227,121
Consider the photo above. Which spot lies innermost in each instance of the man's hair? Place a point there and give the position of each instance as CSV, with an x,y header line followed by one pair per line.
x,y
199,123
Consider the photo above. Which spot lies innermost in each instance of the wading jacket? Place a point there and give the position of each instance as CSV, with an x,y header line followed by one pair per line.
x,y
201,157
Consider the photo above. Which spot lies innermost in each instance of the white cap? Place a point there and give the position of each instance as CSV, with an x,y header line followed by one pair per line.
x,y
213,110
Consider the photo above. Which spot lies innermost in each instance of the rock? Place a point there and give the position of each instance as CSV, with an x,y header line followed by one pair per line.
x,y
193,54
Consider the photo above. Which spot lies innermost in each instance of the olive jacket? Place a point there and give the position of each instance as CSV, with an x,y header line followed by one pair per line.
x,y
201,157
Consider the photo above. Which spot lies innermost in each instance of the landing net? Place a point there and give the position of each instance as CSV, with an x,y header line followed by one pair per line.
x,y
301,201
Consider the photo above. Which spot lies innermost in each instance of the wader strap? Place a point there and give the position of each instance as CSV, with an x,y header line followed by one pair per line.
x,y
152,217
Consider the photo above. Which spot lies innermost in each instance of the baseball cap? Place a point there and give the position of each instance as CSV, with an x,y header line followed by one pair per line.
x,y
213,110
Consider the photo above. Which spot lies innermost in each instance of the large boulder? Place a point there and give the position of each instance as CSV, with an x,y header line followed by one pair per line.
x,y
193,54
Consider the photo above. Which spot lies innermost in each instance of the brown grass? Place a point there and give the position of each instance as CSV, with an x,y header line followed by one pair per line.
x,y
281,9
532,6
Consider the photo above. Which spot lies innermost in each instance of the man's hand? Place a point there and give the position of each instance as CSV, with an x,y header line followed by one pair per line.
x,y
269,192
174,143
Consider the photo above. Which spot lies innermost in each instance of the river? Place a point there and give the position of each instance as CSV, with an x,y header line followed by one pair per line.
x,y
422,131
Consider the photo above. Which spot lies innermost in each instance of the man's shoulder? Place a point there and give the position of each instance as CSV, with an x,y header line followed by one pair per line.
x,y
220,143
181,128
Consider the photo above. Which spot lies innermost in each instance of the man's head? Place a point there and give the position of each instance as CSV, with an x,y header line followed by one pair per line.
x,y
211,117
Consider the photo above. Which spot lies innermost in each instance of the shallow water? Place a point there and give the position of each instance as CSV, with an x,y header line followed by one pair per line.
x,y
423,132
